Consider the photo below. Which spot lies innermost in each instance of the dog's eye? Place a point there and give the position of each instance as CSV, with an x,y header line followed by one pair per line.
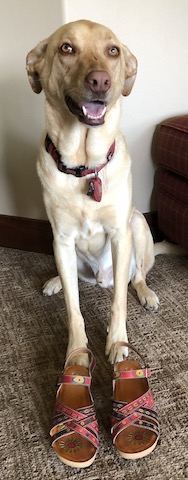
x,y
66,48
114,51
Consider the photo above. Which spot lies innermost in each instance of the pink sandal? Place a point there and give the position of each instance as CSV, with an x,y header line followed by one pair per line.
x,y
135,428
75,428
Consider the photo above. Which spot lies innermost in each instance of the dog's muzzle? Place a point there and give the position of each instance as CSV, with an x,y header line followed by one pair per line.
x,y
90,113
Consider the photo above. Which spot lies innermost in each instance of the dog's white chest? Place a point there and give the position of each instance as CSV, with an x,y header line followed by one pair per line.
x,y
91,237
90,228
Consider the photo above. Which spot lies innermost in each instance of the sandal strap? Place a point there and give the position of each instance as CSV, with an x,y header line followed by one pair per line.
x,y
68,412
139,373
75,380
153,427
145,400
80,351
138,413
78,379
61,419
136,422
82,421
90,434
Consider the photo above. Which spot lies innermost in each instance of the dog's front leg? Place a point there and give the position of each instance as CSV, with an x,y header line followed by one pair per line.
x,y
66,261
121,244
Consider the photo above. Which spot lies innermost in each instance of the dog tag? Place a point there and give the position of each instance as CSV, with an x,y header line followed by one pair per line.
x,y
95,189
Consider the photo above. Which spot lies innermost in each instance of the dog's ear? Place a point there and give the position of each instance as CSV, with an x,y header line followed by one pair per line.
x,y
131,71
34,63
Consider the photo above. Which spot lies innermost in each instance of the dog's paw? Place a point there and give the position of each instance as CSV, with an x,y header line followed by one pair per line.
x,y
52,286
116,355
81,359
119,355
149,300
80,341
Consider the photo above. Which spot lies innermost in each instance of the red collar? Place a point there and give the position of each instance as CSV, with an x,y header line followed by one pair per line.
x,y
80,171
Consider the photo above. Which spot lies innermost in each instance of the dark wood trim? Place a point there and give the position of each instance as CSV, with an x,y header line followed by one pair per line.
x,y
26,234
36,235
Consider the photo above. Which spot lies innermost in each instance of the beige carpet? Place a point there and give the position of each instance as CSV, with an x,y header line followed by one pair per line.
x,y
34,339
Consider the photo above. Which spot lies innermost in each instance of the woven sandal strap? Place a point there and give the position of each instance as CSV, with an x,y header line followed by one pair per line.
x,y
125,374
72,427
64,414
60,420
119,426
154,426
79,414
145,400
151,415
126,414
135,420
63,419
119,415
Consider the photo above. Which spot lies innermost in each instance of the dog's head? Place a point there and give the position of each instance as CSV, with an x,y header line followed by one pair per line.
x,y
84,68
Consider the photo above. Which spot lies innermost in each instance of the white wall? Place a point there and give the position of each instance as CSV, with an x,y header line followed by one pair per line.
x,y
156,32
22,25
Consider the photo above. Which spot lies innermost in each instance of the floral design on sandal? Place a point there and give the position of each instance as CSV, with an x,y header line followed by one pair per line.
x,y
135,428
74,429
70,445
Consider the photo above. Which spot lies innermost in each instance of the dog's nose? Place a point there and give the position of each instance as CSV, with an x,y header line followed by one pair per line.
x,y
99,82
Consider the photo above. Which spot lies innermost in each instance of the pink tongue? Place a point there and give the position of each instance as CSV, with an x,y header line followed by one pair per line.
x,y
94,109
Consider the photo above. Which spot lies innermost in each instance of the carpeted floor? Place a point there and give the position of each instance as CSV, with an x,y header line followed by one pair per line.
x,y
34,339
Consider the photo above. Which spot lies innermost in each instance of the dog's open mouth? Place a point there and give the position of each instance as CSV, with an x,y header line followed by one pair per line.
x,y
90,113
